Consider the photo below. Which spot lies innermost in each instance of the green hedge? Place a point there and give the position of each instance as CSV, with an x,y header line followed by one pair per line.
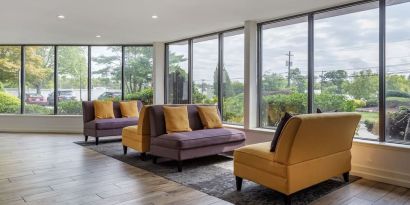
x,y
146,96
9,103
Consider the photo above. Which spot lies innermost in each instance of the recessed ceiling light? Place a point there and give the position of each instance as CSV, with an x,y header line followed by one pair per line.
x,y
61,16
154,16
98,36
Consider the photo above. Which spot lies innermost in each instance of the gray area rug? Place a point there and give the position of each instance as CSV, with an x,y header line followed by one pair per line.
x,y
214,175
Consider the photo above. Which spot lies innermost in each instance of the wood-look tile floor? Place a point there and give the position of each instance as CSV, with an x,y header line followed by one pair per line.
x,y
50,169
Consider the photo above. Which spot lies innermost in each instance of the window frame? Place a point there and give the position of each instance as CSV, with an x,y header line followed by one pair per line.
x,y
220,37
55,69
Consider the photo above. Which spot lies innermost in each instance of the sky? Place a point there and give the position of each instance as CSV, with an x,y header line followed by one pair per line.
x,y
348,42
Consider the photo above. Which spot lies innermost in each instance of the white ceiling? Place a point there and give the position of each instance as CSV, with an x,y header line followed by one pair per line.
x,y
130,22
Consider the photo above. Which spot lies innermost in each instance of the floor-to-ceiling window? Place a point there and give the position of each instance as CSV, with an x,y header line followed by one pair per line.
x,y
106,73
72,83
177,76
233,77
398,71
138,73
39,79
10,73
284,70
205,72
346,64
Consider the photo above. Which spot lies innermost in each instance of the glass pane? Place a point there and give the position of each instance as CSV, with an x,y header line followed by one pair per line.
x,y
72,68
284,70
347,64
398,73
178,73
10,68
39,84
233,77
138,73
106,73
205,70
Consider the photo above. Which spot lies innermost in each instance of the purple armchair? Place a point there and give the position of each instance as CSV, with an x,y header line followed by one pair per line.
x,y
105,127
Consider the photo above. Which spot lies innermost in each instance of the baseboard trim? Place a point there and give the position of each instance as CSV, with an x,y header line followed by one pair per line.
x,y
381,175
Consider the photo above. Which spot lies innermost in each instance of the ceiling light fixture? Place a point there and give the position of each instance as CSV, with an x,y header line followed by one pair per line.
x,y
61,16
98,36
154,16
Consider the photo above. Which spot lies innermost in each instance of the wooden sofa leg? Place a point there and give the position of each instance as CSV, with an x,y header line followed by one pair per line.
x,y
154,159
179,165
96,141
86,138
288,199
346,177
238,183
143,156
125,149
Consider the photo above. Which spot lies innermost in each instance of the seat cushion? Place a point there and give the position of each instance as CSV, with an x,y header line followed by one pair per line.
x,y
258,156
107,124
198,138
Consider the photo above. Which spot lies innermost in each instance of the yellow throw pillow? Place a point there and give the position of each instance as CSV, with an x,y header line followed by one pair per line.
x,y
209,117
129,109
103,109
176,119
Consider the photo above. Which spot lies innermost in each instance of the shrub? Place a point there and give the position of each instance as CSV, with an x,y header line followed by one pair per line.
x,y
146,96
397,93
37,109
233,109
398,123
70,107
1,87
9,103
279,104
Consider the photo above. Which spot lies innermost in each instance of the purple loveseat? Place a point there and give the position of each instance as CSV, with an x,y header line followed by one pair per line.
x,y
199,142
105,127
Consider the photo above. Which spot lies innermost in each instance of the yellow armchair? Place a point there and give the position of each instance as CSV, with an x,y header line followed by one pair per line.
x,y
138,137
312,148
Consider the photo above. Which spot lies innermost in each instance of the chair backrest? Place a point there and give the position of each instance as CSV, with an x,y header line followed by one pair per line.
x,y
89,115
310,136
158,120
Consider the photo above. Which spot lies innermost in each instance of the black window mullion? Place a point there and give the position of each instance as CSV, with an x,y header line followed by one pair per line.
x,y
311,73
122,72
55,81
259,74
166,75
89,74
22,78
220,73
382,70
190,68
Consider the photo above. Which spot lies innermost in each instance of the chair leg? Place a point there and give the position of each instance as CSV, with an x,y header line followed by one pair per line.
x,y
86,138
238,183
154,159
346,177
96,141
179,165
143,156
125,149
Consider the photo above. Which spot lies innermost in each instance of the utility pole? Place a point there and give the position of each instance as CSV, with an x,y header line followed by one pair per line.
x,y
202,86
289,63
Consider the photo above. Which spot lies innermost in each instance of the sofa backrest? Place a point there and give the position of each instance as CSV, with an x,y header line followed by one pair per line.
x,y
89,115
158,120
310,136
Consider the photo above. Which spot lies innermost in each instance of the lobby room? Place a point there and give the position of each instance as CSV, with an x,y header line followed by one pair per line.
x,y
205,102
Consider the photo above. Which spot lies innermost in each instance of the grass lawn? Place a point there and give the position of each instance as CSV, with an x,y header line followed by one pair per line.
x,y
371,116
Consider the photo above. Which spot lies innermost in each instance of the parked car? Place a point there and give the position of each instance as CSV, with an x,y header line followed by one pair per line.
x,y
61,95
34,98
110,96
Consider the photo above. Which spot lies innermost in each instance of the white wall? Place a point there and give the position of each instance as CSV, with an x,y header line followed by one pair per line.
x,y
34,123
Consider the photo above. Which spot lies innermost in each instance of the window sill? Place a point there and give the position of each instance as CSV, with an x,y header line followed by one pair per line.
x,y
41,116
382,145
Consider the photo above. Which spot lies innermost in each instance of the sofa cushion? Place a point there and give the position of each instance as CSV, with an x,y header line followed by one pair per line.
x,y
129,109
278,131
259,156
176,119
103,109
209,117
198,138
106,124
